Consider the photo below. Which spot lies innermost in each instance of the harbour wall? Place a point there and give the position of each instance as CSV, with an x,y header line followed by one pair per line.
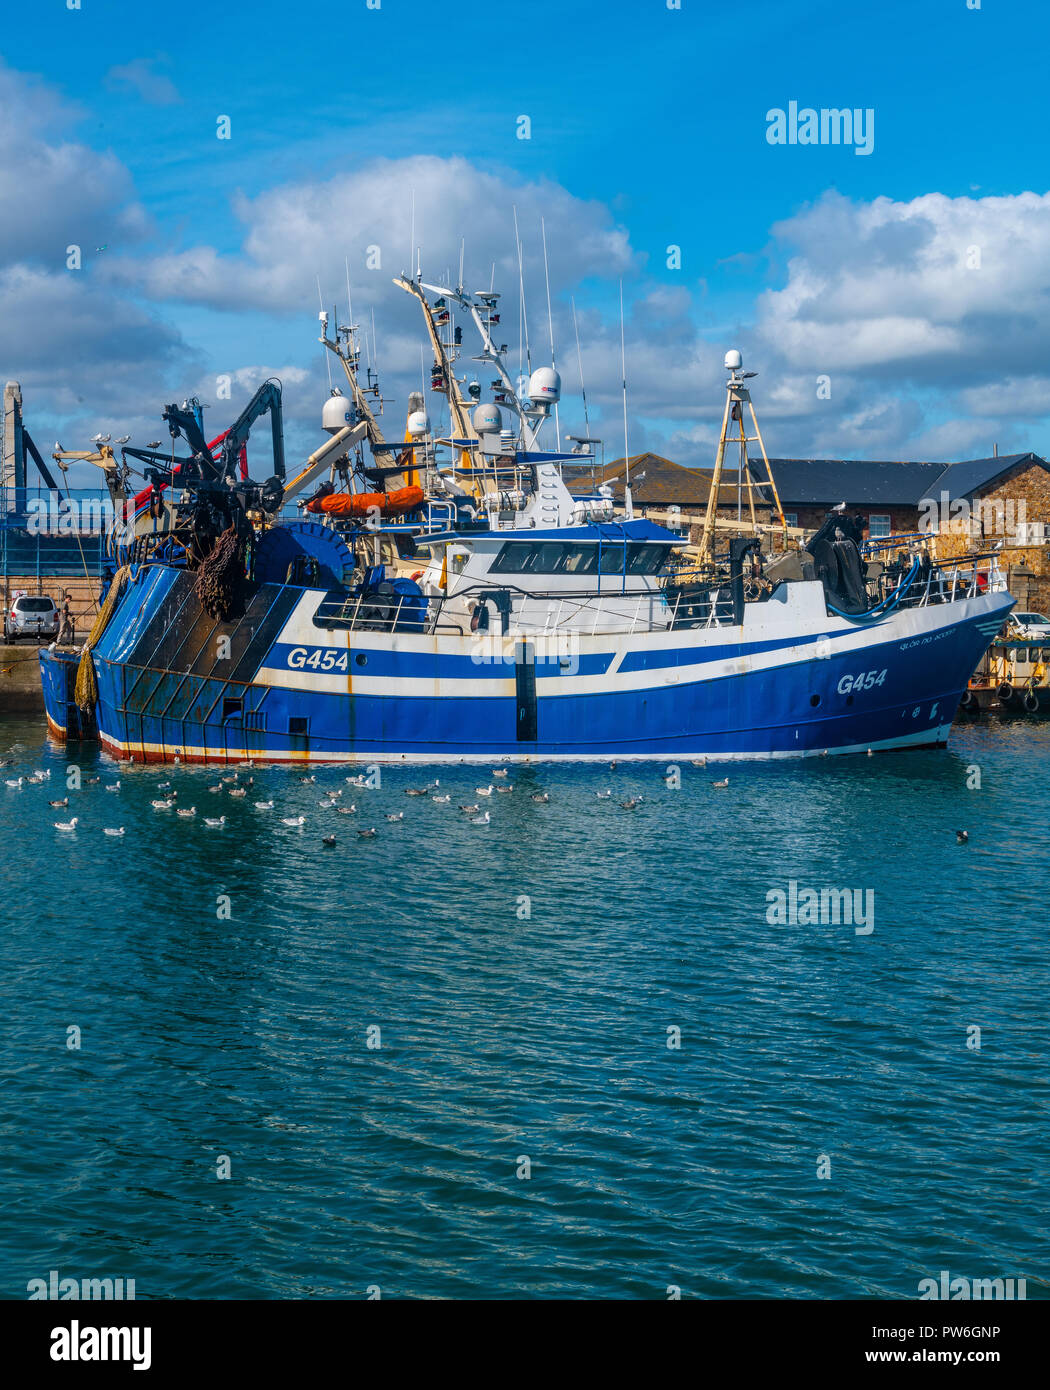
x,y
20,691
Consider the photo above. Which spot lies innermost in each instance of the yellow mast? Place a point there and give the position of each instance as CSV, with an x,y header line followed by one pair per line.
x,y
737,397
458,406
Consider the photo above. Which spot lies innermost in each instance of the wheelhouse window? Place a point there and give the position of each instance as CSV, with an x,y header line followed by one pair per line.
x,y
559,557
878,526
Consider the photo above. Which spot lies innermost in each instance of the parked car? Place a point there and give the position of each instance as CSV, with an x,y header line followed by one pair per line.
x,y
31,616
1032,627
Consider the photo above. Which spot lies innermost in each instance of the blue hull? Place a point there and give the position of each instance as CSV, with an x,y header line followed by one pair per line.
x,y
168,686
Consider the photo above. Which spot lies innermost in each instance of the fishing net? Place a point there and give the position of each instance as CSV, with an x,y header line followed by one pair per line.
x,y
87,683
220,577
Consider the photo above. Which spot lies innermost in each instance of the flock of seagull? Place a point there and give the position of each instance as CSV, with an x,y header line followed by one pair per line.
x,y
234,786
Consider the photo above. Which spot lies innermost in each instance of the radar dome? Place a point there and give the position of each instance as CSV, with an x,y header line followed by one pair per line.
x,y
418,424
336,413
545,385
733,360
488,419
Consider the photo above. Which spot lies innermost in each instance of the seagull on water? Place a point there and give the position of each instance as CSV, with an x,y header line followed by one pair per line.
x,y
66,824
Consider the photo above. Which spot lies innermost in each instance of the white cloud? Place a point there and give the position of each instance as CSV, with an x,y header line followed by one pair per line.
x,y
55,192
297,232
935,290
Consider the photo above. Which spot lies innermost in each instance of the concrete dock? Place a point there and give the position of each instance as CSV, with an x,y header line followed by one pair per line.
x,y
20,691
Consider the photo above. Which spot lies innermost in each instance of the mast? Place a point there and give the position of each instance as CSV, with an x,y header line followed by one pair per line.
x,y
490,353
459,408
348,358
737,397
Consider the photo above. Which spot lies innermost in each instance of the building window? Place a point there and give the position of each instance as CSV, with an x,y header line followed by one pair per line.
x,y
878,526
791,518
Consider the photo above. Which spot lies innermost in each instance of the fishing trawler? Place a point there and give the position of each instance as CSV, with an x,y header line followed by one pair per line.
x,y
507,618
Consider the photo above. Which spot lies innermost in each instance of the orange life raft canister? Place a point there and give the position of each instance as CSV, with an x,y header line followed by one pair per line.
x,y
402,499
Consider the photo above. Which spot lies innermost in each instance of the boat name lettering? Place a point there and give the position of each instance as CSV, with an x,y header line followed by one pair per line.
x,y
317,659
922,641
867,680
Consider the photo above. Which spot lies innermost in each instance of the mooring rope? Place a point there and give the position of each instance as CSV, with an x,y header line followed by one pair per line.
x,y
87,682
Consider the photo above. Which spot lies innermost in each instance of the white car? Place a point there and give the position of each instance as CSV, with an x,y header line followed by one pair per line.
x,y
1033,627
31,616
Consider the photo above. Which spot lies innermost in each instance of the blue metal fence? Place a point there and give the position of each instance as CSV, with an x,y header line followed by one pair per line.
x,y
47,534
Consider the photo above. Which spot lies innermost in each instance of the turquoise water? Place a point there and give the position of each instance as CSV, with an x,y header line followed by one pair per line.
x,y
539,1030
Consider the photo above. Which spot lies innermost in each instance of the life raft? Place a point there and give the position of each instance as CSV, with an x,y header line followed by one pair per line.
x,y
402,499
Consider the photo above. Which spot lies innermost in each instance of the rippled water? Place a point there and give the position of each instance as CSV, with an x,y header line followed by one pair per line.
x,y
506,1036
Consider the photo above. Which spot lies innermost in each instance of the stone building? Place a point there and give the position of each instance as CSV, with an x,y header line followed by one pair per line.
x,y
899,498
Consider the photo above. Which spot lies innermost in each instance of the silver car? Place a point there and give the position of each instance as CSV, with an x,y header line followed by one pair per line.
x,y
31,616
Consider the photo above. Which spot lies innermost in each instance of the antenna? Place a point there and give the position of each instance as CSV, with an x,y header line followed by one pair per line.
x,y
412,242
579,362
462,252
523,313
550,327
327,359
623,368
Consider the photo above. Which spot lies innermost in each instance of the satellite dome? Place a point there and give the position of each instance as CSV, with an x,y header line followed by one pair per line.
x,y
545,385
336,413
733,360
488,419
418,424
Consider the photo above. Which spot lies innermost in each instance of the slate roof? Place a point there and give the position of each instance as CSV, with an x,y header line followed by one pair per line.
x,y
665,483
977,475
859,483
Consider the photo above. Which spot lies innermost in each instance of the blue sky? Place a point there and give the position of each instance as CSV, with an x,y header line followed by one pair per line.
x,y
648,128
